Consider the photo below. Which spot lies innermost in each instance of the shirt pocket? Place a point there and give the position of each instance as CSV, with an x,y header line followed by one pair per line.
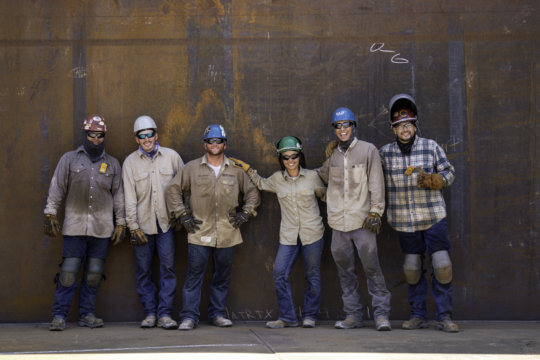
x,y
359,175
78,173
105,179
142,180
229,186
165,176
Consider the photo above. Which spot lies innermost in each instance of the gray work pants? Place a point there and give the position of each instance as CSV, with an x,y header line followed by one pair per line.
x,y
343,245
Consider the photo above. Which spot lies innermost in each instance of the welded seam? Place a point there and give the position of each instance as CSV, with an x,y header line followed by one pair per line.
x,y
262,341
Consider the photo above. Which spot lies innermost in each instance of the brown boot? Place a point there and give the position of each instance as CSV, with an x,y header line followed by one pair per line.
x,y
414,323
447,325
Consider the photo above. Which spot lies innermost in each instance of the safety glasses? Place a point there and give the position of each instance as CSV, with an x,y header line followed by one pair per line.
x,y
94,135
290,157
147,135
214,141
344,125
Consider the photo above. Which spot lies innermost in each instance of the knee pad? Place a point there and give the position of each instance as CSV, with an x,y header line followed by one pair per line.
x,y
442,266
94,271
69,271
412,268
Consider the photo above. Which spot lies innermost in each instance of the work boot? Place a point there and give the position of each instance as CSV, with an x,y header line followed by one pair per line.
x,y
91,321
220,321
165,322
308,323
58,323
148,322
382,324
447,325
414,323
187,324
350,322
280,324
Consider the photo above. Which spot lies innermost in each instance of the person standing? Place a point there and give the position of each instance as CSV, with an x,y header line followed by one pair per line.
x,y
147,173
301,230
204,197
89,181
416,170
355,204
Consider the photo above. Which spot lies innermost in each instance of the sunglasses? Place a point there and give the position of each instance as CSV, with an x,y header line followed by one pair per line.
x,y
94,135
147,135
404,126
289,157
344,125
214,141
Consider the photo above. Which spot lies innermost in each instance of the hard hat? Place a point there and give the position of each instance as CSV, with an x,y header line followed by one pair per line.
x,y
94,123
142,123
214,131
401,102
341,114
289,143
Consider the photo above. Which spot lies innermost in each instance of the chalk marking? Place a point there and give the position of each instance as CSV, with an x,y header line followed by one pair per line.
x,y
395,59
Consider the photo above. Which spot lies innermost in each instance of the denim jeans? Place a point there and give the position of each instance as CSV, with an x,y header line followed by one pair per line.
x,y
83,247
219,287
285,259
144,254
431,240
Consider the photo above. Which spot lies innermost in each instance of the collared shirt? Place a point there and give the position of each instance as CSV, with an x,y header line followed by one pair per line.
x,y
213,200
91,192
145,183
411,208
300,215
355,185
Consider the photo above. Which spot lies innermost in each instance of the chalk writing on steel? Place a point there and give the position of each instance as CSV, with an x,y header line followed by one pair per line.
x,y
395,59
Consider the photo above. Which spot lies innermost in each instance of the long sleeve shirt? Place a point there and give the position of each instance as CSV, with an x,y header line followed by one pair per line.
x,y
145,184
213,200
300,215
91,190
355,185
411,208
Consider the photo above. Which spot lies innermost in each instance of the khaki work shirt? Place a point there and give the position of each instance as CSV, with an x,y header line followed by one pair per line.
x,y
145,184
92,191
300,215
212,200
355,185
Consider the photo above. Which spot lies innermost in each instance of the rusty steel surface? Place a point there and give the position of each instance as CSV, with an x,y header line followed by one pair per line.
x,y
267,69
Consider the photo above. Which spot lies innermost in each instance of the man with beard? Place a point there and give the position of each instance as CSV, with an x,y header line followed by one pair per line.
x,y
204,196
90,182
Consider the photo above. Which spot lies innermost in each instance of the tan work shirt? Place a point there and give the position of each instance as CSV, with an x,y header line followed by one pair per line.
x,y
145,183
213,200
355,185
91,190
300,215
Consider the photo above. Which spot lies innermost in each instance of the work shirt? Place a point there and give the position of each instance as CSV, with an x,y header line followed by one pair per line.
x,y
300,215
355,185
213,200
145,184
92,191
411,208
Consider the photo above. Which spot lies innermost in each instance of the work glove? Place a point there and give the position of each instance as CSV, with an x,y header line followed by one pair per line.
x,y
330,148
175,222
241,218
240,164
190,223
119,234
138,238
373,223
51,226
429,181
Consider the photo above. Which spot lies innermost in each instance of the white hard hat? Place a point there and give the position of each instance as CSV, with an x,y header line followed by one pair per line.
x,y
142,123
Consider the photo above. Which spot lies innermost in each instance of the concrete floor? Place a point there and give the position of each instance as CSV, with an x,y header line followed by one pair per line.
x,y
252,340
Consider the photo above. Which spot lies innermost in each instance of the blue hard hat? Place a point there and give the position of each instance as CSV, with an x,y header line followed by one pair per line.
x,y
341,114
214,131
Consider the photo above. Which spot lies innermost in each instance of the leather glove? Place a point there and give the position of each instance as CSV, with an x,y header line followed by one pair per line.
x,y
119,234
51,226
373,223
190,223
241,218
240,164
330,148
175,223
429,181
138,238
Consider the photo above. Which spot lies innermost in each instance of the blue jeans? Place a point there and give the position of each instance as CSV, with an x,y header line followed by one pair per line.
x,y
285,259
219,287
431,240
144,254
83,247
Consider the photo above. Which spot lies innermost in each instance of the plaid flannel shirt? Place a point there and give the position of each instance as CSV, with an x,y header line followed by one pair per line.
x,y
410,208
